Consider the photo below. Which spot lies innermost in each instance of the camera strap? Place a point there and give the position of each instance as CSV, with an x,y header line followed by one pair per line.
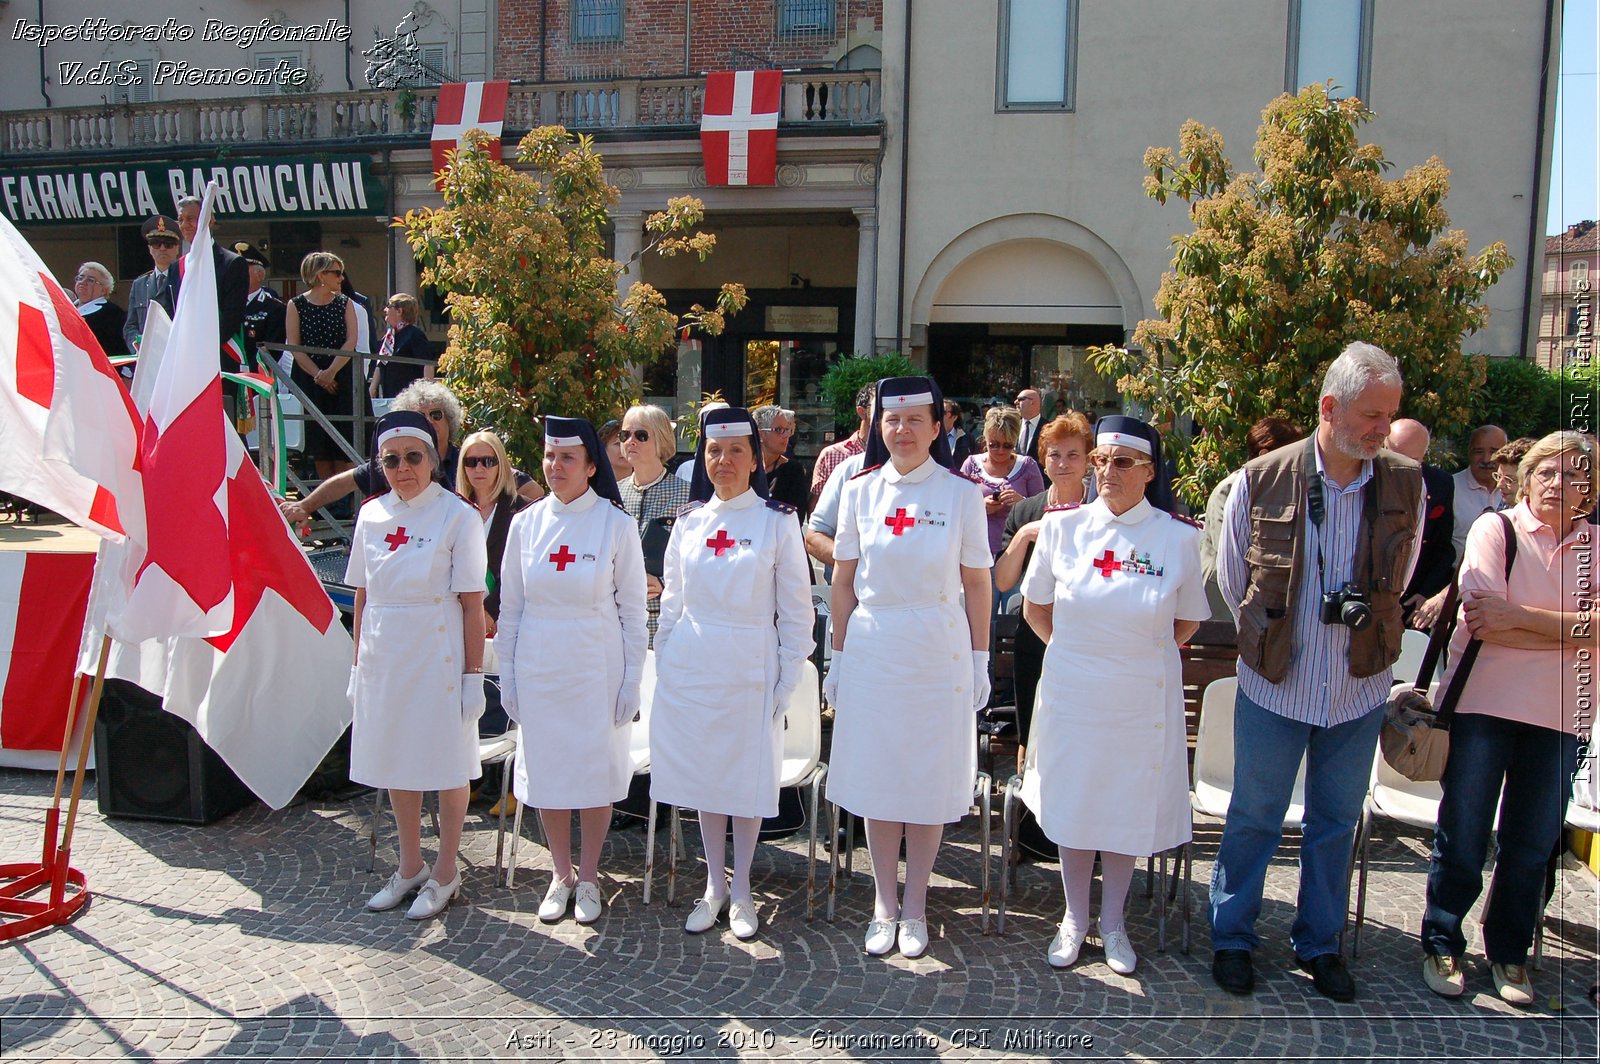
x,y
1317,511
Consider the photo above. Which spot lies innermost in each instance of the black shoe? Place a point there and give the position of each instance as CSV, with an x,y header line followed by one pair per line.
x,y
1329,976
1232,971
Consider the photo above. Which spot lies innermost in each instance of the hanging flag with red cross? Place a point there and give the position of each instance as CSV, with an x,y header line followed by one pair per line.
x,y
739,126
465,105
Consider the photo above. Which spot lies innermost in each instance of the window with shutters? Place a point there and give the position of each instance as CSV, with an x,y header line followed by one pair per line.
x,y
805,18
596,21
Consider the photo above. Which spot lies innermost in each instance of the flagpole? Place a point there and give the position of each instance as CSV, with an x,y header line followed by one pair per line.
x,y
52,816
63,857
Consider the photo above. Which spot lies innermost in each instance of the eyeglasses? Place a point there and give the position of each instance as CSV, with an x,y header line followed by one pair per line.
x,y
413,458
433,415
487,461
997,445
637,434
337,272
1120,462
85,278
1564,476
780,430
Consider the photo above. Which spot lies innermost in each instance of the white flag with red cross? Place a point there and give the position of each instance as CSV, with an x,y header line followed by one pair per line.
x,y
739,126
69,435
465,105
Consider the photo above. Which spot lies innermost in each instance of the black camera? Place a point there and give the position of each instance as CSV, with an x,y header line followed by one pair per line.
x,y
1348,606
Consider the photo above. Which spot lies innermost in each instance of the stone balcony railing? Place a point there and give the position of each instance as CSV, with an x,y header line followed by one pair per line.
x,y
822,100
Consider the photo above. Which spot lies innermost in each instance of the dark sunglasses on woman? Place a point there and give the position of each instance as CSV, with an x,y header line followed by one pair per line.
x,y
487,461
639,434
413,458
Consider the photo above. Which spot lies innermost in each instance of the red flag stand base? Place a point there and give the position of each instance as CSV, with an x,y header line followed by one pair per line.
x,y
54,868
20,915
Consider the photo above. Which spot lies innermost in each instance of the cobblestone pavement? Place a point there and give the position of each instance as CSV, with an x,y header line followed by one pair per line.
x,y
247,939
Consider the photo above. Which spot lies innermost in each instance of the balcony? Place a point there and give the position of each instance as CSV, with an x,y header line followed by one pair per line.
x,y
827,100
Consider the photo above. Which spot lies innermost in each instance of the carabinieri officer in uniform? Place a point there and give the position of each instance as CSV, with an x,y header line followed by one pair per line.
x,y
737,594
1113,588
910,650
571,643
417,561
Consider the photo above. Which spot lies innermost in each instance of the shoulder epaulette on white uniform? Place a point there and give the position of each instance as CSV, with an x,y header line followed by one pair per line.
x,y
688,507
869,469
781,507
1062,507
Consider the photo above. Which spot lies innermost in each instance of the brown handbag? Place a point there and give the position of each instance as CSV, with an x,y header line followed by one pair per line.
x,y
1415,739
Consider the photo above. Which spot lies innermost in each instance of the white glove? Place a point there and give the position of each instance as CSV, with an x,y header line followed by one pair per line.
x,y
508,699
788,680
472,700
830,682
628,702
980,679
350,688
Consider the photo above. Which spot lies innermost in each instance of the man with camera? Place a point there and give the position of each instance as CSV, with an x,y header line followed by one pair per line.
x,y
1317,547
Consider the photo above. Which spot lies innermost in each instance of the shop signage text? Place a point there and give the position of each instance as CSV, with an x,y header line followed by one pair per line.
x,y
323,187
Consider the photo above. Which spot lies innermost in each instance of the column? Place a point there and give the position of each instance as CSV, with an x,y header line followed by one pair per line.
x,y
629,238
866,280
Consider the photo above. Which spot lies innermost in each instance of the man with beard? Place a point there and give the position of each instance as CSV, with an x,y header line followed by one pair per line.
x,y
1317,546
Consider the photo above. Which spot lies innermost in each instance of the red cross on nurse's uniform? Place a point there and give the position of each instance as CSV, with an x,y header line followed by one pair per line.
x,y
1107,564
721,542
397,539
563,558
900,521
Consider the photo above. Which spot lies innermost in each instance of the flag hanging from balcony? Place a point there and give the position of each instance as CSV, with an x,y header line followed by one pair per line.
x,y
739,126
465,105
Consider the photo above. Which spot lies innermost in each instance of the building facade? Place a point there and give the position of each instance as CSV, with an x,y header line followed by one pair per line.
x,y
1566,312
1013,227
960,180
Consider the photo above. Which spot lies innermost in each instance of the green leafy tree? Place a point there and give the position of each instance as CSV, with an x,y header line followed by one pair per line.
x,y
847,376
1288,265
535,323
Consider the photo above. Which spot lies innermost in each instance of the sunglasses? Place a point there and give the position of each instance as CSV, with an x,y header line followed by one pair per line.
x,y
413,458
998,446
339,273
433,415
487,461
1122,462
638,434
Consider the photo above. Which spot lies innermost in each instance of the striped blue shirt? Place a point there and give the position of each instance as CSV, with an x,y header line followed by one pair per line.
x,y
1318,688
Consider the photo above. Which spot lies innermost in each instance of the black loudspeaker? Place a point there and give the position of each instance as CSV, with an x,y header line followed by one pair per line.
x,y
151,765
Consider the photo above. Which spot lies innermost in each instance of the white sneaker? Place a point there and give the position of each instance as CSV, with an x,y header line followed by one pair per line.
x,y
395,890
554,906
1119,951
913,938
434,898
742,917
703,917
1512,983
587,905
880,937
1063,952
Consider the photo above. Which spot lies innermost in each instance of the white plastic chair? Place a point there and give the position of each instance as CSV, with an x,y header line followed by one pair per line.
x,y
801,766
1212,790
1393,796
1413,645
638,757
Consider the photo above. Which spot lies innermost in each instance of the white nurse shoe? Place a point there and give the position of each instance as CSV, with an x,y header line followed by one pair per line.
x,y
1063,952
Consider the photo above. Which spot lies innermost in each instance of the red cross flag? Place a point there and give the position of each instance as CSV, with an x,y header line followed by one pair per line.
x,y
739,127
465,105
69,434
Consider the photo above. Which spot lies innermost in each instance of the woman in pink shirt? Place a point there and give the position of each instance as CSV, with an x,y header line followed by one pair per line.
x,y
1526,705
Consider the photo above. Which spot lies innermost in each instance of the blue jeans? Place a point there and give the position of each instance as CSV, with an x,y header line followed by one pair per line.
x,y
1266,756
1535,765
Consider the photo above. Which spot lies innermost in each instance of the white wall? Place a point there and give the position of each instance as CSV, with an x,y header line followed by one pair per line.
x,y
1457,78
